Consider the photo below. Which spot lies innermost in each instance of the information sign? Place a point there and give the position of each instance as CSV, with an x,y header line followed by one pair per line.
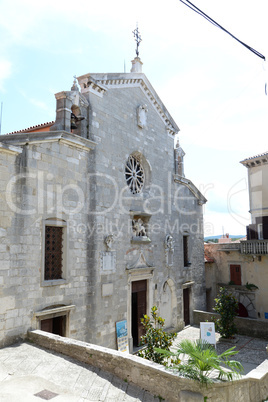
x,y
207,332
121,333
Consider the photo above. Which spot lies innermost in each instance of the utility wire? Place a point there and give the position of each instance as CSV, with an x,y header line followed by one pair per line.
x,y
213,22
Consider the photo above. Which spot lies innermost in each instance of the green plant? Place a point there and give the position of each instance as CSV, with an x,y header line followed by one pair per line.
x,y
226,306
160,398
203,361
251,286
155,336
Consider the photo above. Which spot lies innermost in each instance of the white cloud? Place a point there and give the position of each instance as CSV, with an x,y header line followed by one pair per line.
x,y
35,102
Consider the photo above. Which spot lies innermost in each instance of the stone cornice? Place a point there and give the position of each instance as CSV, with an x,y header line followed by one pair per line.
x,y
257,160
194,190
10,149
99,83
48,136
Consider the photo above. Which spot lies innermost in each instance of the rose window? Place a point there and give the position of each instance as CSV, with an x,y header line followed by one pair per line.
x,y
134,174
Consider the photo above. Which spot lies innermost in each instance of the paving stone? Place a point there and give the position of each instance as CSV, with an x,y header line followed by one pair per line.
x,y
77,382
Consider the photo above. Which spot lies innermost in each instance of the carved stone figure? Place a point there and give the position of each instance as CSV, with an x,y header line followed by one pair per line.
x,y
109,241
142,116
179,155
169,249
138,228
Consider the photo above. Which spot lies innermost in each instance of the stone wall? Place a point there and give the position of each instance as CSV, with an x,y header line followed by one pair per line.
x,y
42,182
153,377
245,326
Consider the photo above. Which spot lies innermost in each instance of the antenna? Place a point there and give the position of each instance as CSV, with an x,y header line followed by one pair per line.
x,y
1,117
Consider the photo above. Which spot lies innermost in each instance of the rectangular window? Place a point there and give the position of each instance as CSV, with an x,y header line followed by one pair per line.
x,y
53,252
54,259
185,251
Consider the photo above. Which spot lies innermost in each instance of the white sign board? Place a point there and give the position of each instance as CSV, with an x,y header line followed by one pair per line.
x,y
207,332
108,261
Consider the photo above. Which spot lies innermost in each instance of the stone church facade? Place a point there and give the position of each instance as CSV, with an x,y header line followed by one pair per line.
x,y
98,221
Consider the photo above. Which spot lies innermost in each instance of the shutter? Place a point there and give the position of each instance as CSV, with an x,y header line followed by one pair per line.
x,y
235,274
265,227
252,233
186,306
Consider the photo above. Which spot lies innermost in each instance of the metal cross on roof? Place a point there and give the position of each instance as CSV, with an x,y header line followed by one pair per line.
x,y
138,39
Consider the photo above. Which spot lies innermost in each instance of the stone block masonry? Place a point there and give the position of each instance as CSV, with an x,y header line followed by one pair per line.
x,y
151,376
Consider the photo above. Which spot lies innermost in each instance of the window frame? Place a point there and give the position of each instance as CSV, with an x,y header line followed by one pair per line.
x,y
185,250
260,231
56,223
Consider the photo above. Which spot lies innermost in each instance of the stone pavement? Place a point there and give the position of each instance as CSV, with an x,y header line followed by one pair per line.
x,y
251,351
29,373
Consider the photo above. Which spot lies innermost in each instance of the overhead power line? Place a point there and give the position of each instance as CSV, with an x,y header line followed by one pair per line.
x,y
213,22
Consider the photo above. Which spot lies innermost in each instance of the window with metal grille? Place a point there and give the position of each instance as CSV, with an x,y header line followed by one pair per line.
x,y
53,252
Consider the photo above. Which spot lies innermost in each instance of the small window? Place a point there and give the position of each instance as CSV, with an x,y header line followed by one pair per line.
x,y
54,254
186,251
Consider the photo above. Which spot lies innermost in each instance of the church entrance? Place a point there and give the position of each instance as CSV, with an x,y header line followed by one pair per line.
x,y
139,308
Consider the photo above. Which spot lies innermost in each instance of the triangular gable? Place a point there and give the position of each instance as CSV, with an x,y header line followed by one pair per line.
x,y
99,83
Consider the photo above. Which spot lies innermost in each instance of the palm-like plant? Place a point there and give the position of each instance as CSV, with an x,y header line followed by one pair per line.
x,y
204,362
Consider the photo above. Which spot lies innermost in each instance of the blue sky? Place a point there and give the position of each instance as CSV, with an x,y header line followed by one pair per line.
x,y
212,86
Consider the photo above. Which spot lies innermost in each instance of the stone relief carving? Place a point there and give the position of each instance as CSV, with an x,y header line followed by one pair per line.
x,y
142,111
137,258
169,249
109,240
138,228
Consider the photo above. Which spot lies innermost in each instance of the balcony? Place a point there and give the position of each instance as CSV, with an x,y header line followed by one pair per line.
x,y
256,247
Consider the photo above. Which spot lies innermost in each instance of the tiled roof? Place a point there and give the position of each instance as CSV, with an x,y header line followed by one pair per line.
x,y
34,128
207,257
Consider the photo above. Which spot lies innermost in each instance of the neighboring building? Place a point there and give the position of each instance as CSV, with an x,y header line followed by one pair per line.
x,y
98,222
240,264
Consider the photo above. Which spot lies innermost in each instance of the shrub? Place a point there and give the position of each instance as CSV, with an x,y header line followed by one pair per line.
x,y
226,306
155,337
202,361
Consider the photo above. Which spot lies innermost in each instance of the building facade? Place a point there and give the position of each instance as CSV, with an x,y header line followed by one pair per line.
x,y
243,266
98,221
